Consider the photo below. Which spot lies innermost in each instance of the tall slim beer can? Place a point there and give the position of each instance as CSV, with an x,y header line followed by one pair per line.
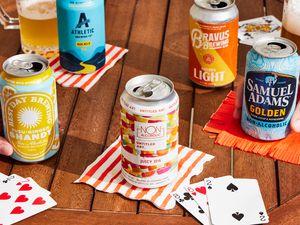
x,y
213,42
81,28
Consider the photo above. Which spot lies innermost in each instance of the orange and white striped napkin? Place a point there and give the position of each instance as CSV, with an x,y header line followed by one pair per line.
x,y
105,175
86,81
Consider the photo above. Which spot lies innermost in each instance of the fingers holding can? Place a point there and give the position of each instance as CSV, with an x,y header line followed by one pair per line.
x,y
5,147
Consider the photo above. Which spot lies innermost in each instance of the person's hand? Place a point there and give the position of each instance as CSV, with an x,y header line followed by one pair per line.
x,y
5,147
295,121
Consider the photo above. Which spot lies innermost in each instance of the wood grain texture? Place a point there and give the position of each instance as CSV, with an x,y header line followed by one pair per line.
x,y
63,217
248,165
289,175
275,7
286,214
88,128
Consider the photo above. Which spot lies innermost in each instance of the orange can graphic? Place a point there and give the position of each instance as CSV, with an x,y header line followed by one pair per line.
x,y
213,42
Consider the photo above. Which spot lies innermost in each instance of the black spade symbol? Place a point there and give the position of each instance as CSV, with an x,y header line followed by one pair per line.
x,y
261,213
231,187
238,216
187,196
200,210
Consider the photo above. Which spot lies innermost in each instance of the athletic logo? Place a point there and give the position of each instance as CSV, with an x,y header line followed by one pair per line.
x,y
83,21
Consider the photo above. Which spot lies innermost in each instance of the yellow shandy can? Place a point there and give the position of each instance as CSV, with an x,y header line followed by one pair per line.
x,y
29,107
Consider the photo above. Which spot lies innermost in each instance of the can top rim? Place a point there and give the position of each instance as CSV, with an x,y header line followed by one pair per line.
x,y
200,4
130,86
262,44
25,57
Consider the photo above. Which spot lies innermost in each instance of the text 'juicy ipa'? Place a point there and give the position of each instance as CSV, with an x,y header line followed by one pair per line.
x,y
81,28
213,42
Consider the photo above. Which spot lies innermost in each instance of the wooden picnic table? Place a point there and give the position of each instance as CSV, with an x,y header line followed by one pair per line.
x,y
156,34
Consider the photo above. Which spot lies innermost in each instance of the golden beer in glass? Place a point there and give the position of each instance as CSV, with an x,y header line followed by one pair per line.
x,y
38,26
290,21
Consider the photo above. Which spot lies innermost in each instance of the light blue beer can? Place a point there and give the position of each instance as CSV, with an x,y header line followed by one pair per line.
x,y
270,89
81,29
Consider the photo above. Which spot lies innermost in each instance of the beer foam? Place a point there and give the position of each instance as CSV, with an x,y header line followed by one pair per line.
x,y
291,17
38,10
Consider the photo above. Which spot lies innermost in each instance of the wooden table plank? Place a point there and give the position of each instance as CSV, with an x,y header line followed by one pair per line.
x,y
174,65
88,129
289,175
63,217
248,165
10,44
287,214
275,8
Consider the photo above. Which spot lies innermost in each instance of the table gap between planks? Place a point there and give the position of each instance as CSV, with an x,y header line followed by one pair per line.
x,y
156,34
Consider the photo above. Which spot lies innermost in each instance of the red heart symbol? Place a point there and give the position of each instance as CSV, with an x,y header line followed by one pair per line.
x,y
39,201
5,196
19,183
25,187
17,210
21,198
201,190
194,193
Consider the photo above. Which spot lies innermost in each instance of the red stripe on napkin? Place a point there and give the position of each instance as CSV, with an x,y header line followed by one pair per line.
x,y
105,175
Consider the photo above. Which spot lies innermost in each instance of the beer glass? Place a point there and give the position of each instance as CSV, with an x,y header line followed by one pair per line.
x,y
38,26
290,21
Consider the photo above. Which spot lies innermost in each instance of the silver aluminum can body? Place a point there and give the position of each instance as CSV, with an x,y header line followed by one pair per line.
x,y
149,131
270,89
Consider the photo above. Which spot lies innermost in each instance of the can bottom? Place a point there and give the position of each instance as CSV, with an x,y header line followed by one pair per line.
x,y
264,137
212,87
17,158
75,65
147,183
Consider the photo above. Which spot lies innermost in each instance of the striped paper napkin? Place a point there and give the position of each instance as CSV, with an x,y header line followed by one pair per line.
x,y
86,81
105,175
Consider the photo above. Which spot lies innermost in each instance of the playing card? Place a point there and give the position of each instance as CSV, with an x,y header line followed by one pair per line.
x,y
250,30
235,201
184,198
18,180
21,198
198,192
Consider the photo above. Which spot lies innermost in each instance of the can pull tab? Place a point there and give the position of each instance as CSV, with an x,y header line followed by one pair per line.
x,y
218,4
148,89
20,64
215,2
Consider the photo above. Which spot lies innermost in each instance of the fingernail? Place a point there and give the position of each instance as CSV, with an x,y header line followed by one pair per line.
x,y
6,149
